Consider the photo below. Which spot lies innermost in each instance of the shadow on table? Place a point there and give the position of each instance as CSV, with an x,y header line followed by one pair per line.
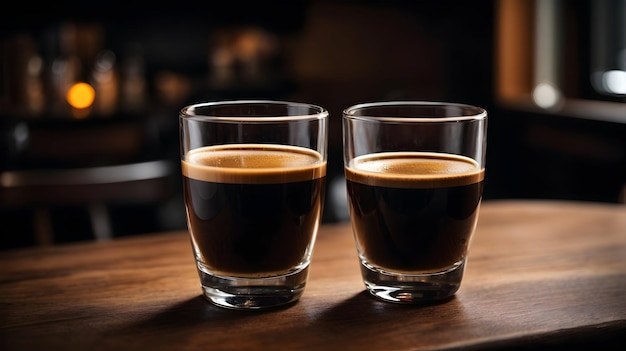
x,y
195,323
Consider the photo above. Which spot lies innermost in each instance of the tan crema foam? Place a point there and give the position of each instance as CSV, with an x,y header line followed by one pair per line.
x,y
414,170
253,164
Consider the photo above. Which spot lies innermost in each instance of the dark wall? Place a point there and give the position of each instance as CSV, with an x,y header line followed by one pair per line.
x,y
331,53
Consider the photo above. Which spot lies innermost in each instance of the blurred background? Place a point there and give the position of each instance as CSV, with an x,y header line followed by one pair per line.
x,y
90,94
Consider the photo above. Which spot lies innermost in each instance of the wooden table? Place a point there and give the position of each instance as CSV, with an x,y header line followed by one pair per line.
x,y
540,274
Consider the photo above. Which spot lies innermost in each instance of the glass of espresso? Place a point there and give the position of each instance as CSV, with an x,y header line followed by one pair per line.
x,y
414,175
254,176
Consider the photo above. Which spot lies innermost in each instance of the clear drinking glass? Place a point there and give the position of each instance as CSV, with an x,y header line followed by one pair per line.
x,y
254,176
414,175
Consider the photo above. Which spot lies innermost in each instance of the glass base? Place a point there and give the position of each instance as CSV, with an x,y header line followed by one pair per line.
x,y
412,288
253,293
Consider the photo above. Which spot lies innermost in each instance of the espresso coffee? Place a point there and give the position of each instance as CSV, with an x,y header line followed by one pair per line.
x,y
413,212
253,210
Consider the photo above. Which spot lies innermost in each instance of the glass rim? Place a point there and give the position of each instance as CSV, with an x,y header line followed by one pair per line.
x,y
478,114
188,112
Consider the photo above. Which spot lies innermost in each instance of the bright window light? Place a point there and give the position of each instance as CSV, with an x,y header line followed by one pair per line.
x,y
614,81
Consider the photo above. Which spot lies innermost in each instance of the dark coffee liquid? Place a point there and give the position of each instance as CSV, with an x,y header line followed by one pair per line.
x,y
253,210
414,212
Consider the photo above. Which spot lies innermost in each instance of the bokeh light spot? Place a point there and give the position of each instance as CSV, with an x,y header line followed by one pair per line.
x,y
81,95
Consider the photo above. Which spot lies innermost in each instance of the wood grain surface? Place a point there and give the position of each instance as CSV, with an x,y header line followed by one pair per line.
x,y
540,274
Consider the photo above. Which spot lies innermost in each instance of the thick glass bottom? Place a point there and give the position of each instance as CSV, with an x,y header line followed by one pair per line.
x,y
412,288
253,293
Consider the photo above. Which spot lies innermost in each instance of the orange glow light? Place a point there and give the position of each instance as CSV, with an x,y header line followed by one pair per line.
x,y
81,95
